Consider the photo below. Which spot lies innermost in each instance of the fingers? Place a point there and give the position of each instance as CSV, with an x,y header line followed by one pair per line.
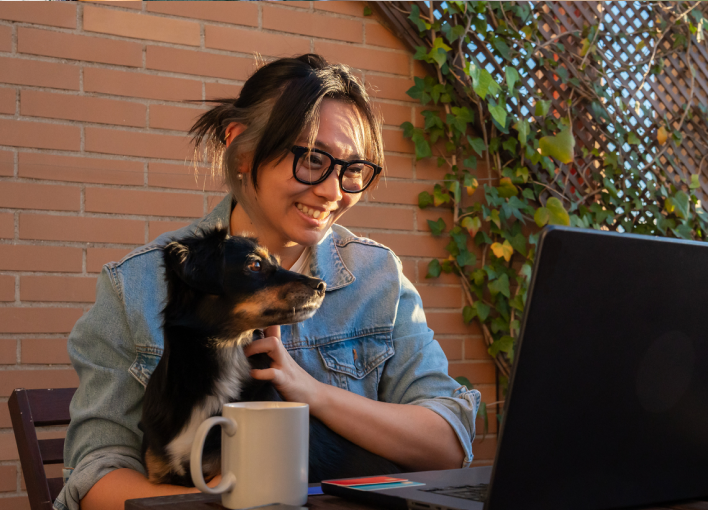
x,y
266,374
270,345
272,331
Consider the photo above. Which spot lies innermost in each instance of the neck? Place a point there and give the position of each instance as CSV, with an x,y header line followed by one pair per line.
x,y
242,223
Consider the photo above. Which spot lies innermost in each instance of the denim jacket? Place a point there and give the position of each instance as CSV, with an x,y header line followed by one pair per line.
x,y
369,337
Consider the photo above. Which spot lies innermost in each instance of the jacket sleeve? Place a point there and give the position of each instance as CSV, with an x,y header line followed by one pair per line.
x,y
417,372
103,434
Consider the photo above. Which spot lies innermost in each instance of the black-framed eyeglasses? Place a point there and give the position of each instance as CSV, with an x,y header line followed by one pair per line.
x,y
312,166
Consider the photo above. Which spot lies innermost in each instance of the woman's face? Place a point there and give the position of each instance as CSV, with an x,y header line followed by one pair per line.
x,y
287,208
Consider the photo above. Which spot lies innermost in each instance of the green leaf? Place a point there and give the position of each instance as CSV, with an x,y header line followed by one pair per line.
x,y
482,310
524,128
528,194
695,182
557,215
425,199
541,216
542,108
368,11
680,201
518,242
559,146
471,224
477,144
512,77
468,313
500,285
464,382
499,114
436,227
434,269
633,139
509,144
506,189
466,258
414,16
504,344
483,83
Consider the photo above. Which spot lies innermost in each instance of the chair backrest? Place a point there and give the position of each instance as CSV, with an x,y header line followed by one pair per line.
x,y
39,408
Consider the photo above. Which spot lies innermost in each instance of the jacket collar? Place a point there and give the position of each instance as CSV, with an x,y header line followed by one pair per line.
x,y
326,262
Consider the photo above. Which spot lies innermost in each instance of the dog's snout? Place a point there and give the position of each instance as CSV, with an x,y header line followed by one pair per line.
x,y
316,284
321,286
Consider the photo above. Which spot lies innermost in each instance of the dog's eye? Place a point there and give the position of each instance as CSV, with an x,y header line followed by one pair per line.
x,y
255,266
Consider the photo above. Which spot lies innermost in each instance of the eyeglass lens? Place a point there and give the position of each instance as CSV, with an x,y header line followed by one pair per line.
x,y
312,166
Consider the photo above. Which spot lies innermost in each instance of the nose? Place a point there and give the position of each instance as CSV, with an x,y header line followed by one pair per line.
x,y
316,284
329,188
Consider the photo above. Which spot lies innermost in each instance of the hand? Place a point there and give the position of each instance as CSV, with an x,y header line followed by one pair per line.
x,y
289,378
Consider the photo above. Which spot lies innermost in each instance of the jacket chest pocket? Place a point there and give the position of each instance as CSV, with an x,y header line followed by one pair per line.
x,y
145,363
356,364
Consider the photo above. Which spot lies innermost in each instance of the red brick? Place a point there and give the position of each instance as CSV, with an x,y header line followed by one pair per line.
x,y
394,141
165,175
58,288
423,215
44,351
8,478
452,347
299,4
140,26
37,379
40,74
421,245
221,90
255,41
16,503
173,118
5,38
478,372
51,470
484,449
37,320
364,216
5,421
409,269
79,47
56,15
97,257
387,87
427,168
440,297
394,114
8,353
8,100
24,195
157,228
306,23
365,58
348,8
148,203
451,323
79,169
199,63
7,288
7,163
398,166
7,225
476,348
89,230
398,192
122,83
130,4
24,257
37,134
214,200
82,108
132,143
238,13
378,35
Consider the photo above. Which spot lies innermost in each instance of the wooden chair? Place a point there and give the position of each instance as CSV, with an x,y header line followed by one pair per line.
x,y
39,408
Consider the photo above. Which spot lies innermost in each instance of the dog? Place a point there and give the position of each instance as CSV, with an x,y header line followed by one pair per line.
x,y
221,292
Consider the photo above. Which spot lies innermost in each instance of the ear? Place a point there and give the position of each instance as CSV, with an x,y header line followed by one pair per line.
x,y
233,130
198,260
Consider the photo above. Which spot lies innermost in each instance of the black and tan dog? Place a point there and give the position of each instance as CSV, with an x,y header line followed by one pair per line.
x,y
221,291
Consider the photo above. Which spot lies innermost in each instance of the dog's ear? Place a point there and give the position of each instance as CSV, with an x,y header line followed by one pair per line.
x,y
198,260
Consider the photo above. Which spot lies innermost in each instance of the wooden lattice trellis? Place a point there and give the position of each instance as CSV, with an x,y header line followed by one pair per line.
x,y
625,43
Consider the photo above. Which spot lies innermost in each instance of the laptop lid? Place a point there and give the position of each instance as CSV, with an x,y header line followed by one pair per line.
x,y
608,401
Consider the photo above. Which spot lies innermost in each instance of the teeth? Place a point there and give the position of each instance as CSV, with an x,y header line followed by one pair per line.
x,y
313,212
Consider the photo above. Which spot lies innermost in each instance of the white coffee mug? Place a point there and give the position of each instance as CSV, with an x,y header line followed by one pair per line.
x,y
264,454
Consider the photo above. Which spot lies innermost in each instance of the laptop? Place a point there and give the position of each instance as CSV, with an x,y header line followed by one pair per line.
x,y
608,399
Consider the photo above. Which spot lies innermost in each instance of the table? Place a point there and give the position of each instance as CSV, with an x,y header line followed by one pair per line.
x,y
324,502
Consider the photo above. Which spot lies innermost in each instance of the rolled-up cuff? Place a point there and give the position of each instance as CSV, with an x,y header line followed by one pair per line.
x,y
460,411
94,466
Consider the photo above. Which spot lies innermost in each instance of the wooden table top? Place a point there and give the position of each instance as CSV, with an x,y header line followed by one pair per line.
x,y
323,502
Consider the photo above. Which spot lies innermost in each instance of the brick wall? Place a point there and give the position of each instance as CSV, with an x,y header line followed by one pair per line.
x,y
92,162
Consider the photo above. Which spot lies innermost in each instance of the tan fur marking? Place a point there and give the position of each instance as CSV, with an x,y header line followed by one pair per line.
x,y
262,252
157,469
258,302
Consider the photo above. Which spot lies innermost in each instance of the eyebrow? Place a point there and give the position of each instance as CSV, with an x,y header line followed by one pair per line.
x,y
326,147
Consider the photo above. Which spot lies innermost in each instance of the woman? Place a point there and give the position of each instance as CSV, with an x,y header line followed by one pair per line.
x,y
358,362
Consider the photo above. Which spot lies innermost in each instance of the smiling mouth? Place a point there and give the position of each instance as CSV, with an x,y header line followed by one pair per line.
x,y
312,213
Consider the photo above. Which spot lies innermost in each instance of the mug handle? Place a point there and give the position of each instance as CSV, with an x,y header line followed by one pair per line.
x,y
228,480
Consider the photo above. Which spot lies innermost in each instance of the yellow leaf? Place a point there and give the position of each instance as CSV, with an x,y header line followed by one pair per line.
x,y
504,251
662,135
437,201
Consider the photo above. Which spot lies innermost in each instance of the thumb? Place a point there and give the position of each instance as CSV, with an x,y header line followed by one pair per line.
x,y
272,331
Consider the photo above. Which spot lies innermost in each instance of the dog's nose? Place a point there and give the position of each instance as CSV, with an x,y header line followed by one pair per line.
x,y
316,284
321,286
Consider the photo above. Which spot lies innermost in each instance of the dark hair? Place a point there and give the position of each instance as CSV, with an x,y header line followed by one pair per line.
x,y
277,104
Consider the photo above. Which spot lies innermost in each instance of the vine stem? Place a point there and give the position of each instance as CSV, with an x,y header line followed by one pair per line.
x,y
488,339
